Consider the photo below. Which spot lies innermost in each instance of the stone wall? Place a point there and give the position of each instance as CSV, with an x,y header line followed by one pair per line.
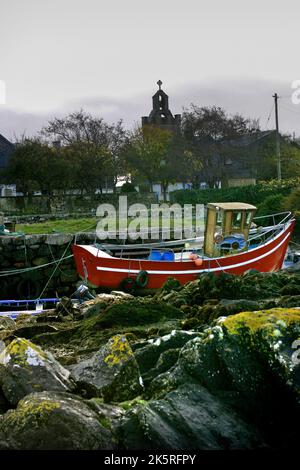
x,y
68,203
19,255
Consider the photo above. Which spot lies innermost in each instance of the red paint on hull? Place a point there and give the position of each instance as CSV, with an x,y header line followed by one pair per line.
x,y
103,271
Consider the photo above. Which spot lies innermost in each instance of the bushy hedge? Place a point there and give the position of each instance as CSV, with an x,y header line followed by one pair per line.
x,y
292,201
272,203
254,194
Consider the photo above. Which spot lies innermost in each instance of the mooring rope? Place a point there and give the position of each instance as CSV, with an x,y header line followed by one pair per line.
x,y
54,270
32,268
60,260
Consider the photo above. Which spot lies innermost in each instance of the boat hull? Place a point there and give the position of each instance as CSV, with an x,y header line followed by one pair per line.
x,y
102,270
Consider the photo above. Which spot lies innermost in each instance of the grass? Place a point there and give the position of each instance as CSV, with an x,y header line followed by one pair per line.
x,y
90,224
60,226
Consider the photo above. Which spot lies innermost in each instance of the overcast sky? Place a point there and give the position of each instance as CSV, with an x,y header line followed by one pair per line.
x,y
106,56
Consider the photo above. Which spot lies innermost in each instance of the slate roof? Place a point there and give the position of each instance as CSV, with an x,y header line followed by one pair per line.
x,y
6,148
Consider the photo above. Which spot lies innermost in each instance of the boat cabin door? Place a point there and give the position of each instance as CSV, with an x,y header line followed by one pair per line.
x,y
227,228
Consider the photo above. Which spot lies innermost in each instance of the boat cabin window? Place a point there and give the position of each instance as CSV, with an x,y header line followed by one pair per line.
x,y
219,219
237,218
247,219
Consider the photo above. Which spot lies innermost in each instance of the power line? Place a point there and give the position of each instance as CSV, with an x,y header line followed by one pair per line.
x,y
285,97
287,108
269,116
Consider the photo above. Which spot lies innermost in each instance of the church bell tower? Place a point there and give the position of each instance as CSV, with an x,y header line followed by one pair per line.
x,y
161,115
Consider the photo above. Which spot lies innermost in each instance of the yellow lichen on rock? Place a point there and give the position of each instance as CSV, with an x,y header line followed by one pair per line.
x,y
36,411
262,320
20,350
119,351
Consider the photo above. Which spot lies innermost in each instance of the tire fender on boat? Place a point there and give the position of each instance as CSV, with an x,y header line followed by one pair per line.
x,y
128,285
142,279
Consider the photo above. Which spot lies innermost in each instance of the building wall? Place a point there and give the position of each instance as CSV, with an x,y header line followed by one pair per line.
x,y
241,182
171,187
7,190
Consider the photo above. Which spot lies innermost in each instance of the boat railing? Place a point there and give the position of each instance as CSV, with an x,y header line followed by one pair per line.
x,y
266,233
24,305
190,250
286,216
27,302
262,234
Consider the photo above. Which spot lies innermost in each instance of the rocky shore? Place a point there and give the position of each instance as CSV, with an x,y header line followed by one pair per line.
x,y
211,365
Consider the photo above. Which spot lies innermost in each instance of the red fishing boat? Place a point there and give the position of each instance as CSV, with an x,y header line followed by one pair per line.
x,y
234,242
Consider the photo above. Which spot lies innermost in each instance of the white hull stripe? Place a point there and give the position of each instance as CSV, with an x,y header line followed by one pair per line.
x,y
195,271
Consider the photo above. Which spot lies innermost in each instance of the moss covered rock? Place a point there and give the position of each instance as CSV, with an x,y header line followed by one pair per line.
x,y
252,285
137,311
260,344
251,351
53,421
211,310
26,368
249,360
111,373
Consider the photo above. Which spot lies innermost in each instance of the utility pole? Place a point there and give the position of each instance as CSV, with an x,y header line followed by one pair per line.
x,y
275,96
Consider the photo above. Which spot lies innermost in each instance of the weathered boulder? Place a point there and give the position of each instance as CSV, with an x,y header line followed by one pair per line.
x,y
53,421
26,368
111,373
166,360
147,353
120,294
188,418
109,415
249,360
7,323
58,238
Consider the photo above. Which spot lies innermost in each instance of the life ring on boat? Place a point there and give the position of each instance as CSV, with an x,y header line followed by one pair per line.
x,y
142,279
28,289
218,238
128,285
